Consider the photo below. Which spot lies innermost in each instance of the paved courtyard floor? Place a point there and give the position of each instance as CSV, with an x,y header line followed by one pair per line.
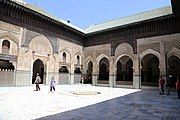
x,y
22,103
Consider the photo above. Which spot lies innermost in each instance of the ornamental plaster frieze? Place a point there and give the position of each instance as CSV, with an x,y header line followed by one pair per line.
x,y
172,45
9,36
174,51
153,46
149,51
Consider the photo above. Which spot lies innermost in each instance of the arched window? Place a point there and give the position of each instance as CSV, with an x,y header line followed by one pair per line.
x,y
78,60
5,47
64,57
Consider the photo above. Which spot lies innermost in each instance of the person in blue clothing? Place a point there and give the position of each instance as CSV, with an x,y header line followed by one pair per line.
x,y
52,84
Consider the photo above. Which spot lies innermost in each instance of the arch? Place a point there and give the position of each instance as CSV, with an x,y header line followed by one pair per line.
x,y
65,50
89,72
100,57
123,48
173,69
104,69
5,46
64,57
41,44
88,59
149,51
150,70
174,51
78,59
124,72
38,67
123,55
68,56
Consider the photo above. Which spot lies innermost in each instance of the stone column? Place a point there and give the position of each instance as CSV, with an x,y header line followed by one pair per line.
x,y
72,74
136,72
47,70
94,75
162,60
115,74
111,72
56,68
32,61
14,73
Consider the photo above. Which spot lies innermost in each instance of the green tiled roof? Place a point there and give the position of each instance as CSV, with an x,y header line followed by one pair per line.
x,y
41,11
106,25
130,19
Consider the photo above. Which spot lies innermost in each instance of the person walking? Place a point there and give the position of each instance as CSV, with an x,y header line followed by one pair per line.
x,y
52,84
37,82
178,88
161,85
82,79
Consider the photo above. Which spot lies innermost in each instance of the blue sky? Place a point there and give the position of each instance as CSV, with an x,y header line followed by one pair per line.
x,y
84,13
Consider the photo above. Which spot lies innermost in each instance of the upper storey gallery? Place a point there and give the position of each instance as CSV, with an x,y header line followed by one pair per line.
x,y
162,20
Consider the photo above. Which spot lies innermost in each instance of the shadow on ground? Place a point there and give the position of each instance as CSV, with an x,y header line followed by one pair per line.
x,y
142,105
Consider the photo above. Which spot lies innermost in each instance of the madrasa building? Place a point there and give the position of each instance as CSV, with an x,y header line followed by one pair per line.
x,y
130,52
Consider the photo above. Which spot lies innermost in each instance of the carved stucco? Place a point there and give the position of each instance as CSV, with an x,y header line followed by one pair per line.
x,y
173,51
41,45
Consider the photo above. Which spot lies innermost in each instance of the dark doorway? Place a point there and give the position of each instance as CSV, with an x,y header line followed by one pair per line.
x,y
89,72
119,74
173,69
124,71
38,67
104,69
150,70
129,70
103,74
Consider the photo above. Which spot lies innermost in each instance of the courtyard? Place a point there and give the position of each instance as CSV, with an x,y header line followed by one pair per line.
x,y
80,102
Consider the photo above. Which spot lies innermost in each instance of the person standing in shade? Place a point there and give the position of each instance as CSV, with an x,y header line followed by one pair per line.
x,y
178,88
52,84
37,82
161,85
168,81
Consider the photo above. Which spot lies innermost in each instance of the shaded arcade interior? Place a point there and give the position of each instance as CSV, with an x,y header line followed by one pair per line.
x,y
103,77
173,69
150,70
124,71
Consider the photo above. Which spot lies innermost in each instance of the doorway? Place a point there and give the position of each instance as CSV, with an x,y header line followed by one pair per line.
x,y
38,67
